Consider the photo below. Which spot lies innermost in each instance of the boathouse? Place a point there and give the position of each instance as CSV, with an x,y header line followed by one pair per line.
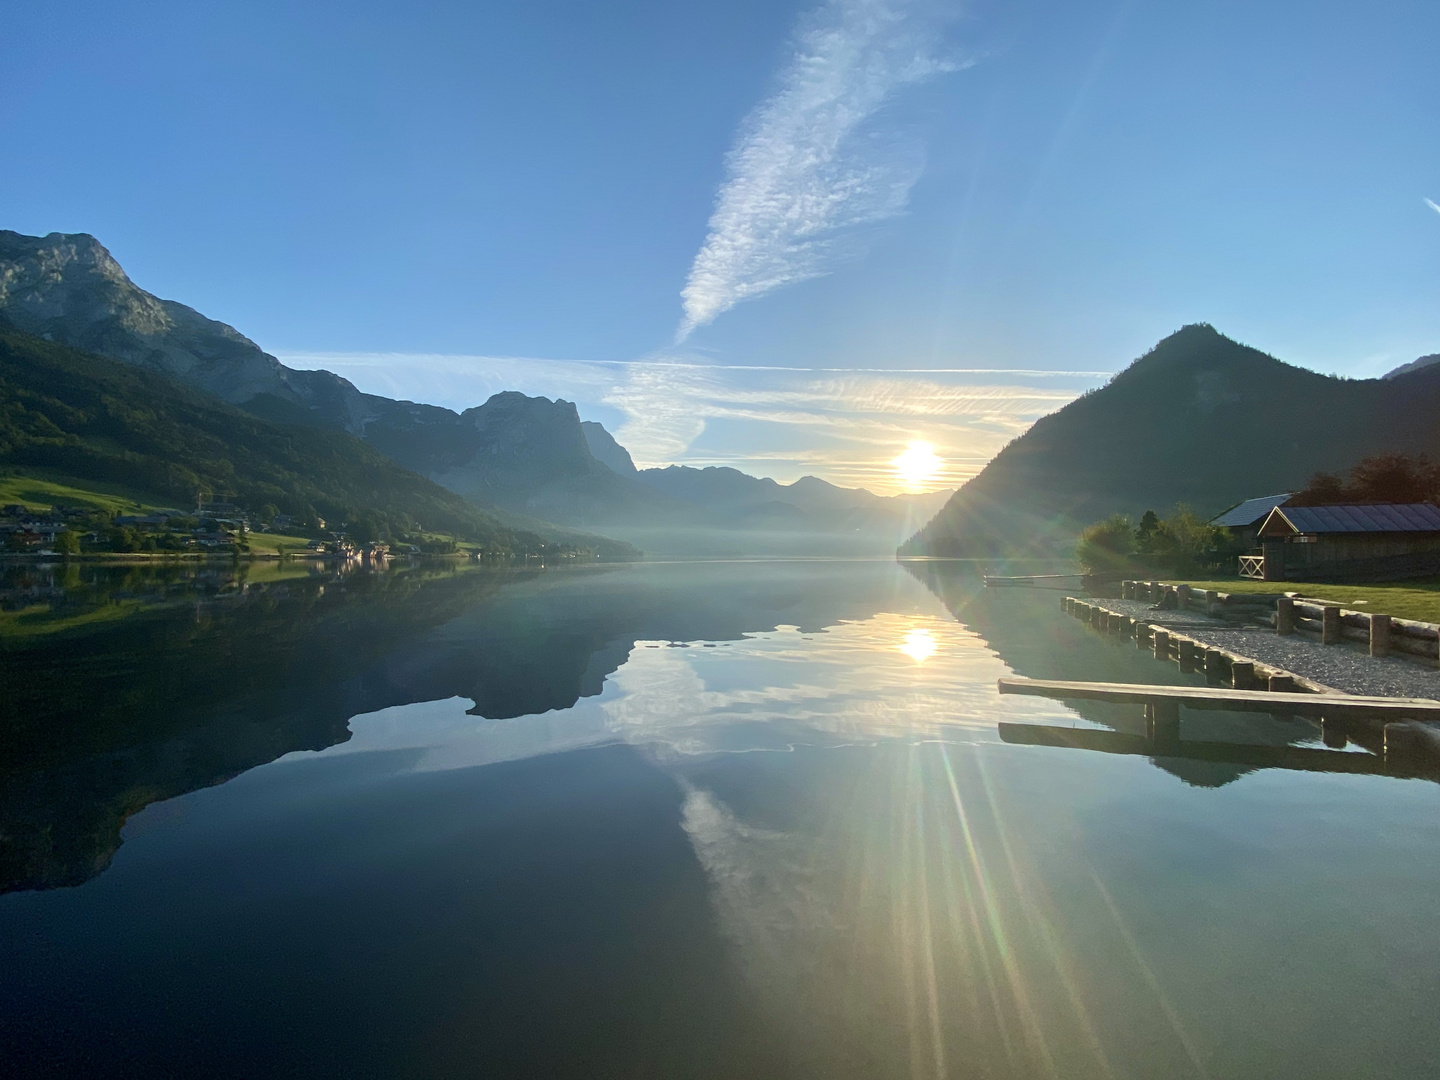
x,y
1348,543
1244,519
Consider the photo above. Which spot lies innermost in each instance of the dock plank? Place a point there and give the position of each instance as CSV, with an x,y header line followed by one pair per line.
x,y
1196,697
1301,758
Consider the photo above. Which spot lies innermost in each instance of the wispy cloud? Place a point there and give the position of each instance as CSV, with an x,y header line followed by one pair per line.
x,y
807,166
1432,205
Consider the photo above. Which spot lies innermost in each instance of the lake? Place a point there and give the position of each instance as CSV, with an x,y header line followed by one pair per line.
x,y
743,819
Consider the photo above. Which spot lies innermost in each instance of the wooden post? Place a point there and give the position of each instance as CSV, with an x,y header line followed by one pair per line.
x,y
1127,590
1333,732
1282,684
1379,635
1214,665
1182,597
1242,675
1162,644
1162,724
1284,616
1401,738
1212,602
1330,624
1187,655
1097,616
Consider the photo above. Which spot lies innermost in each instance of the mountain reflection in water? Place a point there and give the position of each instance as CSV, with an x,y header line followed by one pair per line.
x,y
674,820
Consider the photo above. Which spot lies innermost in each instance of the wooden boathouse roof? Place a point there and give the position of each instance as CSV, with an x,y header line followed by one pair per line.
x,y
1378,518
1250,511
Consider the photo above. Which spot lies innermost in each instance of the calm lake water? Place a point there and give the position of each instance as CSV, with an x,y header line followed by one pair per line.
x,y
722,820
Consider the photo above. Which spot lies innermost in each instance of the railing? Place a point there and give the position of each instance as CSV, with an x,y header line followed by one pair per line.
x,y
1252,566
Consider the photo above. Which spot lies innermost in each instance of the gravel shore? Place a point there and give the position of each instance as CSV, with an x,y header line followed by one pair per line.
x,y
1347,667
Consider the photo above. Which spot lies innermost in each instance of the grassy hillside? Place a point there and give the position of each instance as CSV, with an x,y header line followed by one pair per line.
x,y
1200,419
127,429
40,492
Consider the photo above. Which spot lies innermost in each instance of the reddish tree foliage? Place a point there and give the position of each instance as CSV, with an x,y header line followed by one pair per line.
x,y
1384,478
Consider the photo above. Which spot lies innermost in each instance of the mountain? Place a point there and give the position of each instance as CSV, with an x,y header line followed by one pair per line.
x,y
724,488
1199,419
92,418
67,288
604,449
512,455
1413,365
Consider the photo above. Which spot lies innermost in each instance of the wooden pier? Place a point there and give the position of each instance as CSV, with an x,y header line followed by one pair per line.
x,y
1399,727
1299,758
1344,706
1398,731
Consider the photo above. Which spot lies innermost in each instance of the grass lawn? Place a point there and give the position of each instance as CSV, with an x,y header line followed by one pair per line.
x,y
1419,599
271,543
42,492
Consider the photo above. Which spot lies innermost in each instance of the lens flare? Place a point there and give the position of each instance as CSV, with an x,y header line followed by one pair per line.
x,y
918,463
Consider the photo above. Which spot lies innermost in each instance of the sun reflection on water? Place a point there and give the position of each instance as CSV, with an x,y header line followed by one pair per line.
x,y
919,645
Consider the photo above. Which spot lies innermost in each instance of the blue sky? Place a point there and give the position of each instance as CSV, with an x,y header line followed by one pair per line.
x,y
674,213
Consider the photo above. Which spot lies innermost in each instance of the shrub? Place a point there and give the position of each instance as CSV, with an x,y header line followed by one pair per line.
x,y
1106,545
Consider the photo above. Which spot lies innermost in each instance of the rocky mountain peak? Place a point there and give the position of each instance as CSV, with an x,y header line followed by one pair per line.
x,y
545,434
50,283
67,288
606,450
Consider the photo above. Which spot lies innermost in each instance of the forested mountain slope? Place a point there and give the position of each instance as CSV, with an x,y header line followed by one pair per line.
x,y
93,418
1199,419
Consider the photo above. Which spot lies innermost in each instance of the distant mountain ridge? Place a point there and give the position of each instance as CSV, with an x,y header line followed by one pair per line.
x,y
1413,365
515,454
720,486
1199,419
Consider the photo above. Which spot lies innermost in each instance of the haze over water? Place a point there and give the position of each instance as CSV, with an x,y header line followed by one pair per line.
x,y
724,819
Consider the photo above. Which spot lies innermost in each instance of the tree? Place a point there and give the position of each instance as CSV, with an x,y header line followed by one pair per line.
x,y
1106,545
363,530
1184,541
1382,478
67,542
1145,531
1395,478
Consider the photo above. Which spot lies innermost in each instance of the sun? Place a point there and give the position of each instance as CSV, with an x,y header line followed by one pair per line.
x,y
918,463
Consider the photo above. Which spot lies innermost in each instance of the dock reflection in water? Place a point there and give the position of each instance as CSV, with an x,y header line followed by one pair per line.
x,y
719,820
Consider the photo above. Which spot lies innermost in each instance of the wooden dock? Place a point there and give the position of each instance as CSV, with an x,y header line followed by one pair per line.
x,y
1398,727
1297,758
1340,706
1403,734
1049,581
